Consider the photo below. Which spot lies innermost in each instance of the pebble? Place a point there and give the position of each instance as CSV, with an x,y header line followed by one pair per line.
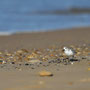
x,y
2,62
45,73
89,69
32,68
12,62
44,57
41,82
70,83
35,61
0,52
72,63
85,80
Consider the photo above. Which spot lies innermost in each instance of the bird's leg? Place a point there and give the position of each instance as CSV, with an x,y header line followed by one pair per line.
x,y
67,60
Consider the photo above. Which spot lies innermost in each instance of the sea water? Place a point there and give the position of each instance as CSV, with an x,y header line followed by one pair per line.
x,y
22,15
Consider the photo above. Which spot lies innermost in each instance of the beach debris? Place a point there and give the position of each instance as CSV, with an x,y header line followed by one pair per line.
x,y
21,51
45,73
26,64
8,54
12,62
85,80
72,63
78,53
70,83
1,57
31,56
19,69
41,82
34,61
46,57
1,53
89,69
2,62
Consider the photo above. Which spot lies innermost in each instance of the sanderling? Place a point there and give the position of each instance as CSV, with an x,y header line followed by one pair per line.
x,y
68,51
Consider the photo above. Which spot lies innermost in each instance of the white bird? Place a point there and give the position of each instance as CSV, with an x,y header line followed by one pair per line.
x,y
68,51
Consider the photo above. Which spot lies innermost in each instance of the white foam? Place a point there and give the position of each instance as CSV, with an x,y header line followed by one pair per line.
x,y
5,33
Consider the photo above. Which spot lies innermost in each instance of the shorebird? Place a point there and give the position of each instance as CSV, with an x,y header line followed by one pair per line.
x,y
68,51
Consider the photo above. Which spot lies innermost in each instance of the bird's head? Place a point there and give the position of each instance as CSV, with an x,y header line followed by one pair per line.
x,y
64,48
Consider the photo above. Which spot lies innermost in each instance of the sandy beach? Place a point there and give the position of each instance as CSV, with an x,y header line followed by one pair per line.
x,y
45,39
68,76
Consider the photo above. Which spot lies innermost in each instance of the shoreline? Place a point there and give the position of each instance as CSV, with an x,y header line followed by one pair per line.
x,y
40,31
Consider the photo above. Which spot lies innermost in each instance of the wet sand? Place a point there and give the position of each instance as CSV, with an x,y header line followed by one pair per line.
x,y
65,77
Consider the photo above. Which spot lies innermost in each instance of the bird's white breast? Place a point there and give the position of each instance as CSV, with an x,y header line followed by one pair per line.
x,y
68,52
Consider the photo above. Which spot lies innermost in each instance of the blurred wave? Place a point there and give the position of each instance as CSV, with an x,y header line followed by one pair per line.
x,y
69,11
42,15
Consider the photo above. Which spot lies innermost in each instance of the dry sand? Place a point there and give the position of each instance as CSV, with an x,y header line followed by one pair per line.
x,y
66,77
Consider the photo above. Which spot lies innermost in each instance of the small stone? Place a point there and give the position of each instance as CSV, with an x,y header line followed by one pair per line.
x,y
57,69
20,69
24,50
41,82
85,80
1,57
72,63
8,54
31,56
12,62
45,73
89,69
26,64
70,83
0,52
20,64
78,53
21,51
2,62
34,61
40,63
32,68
